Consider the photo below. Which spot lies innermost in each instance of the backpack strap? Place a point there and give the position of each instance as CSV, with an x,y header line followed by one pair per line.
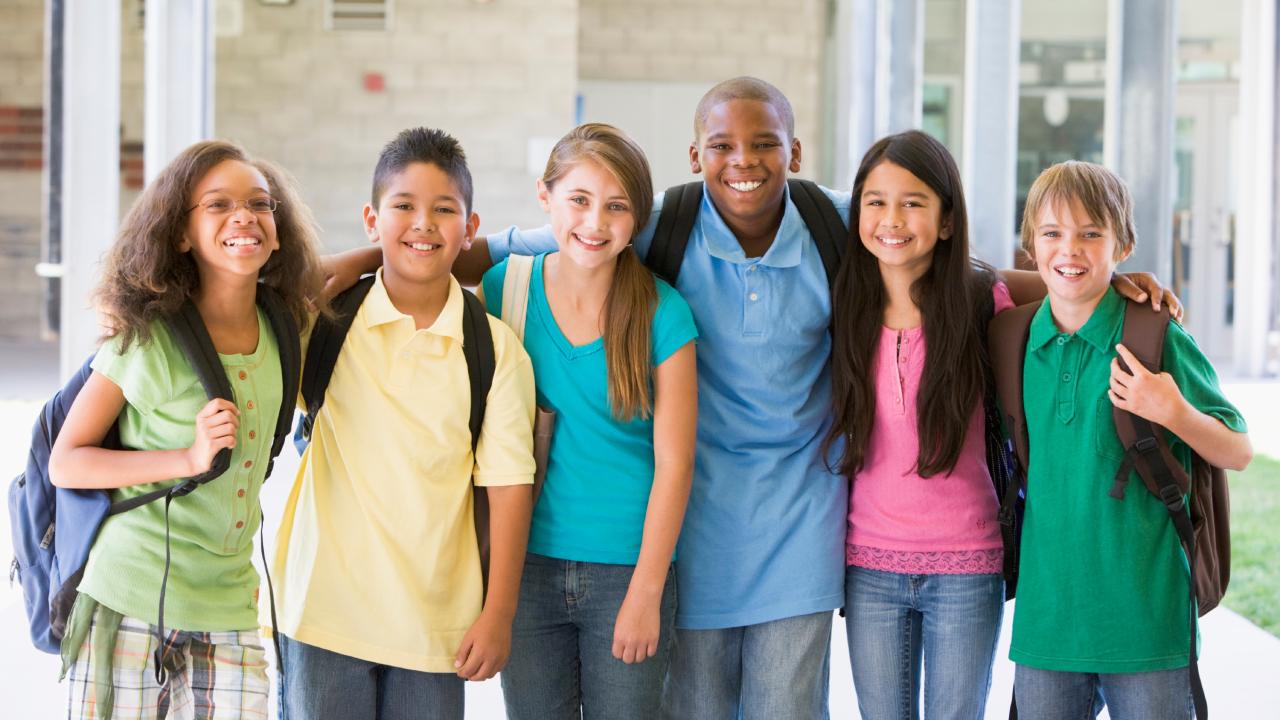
x,y
680,206
824,224
477,347
326,343
515,292
285,330
192,337
1147,451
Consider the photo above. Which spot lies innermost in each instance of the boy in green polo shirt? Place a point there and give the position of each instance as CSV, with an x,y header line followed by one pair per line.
x,y
1102,592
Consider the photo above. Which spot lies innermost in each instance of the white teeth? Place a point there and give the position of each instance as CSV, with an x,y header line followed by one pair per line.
x,y
892,241
746,186
1071,271
592,243
241,241
423,246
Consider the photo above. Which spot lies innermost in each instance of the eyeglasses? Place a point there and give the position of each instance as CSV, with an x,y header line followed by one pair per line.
x,y
217,206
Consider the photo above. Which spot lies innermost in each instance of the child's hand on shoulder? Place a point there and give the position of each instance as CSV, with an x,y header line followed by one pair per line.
x,y
216,426
1153,396
635,632
485,648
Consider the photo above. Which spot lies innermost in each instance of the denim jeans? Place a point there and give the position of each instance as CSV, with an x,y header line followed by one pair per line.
x,y
898,622
777,669
1057,695
318,683
562,661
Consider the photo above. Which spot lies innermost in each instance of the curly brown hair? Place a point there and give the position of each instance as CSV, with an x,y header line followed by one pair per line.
x,y
145,276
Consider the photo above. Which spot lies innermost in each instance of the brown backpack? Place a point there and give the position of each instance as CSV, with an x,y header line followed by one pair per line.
x,y
1203,531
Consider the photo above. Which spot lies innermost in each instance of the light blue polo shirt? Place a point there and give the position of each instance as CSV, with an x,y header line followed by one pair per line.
x,y
599,470
763,537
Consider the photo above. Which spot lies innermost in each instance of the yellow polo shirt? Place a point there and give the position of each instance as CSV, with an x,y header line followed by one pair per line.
x,y
376,554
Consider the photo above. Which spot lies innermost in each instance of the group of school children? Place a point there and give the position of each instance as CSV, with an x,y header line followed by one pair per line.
x,y
825,447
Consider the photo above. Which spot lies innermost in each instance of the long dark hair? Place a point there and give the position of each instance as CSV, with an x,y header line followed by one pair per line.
x,y
949,295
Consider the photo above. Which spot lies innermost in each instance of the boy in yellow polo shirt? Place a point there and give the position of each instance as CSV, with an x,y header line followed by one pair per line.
x,y
381,589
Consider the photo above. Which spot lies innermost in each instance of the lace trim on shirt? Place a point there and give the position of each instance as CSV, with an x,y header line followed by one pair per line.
x,y
957,562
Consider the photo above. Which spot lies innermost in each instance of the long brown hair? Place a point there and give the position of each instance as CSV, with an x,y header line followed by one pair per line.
x,y
628,309
950,297
145,276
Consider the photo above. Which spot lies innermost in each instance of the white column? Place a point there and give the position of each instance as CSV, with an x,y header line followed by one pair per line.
x,y
878,76
1142,45
1258,187
992,44
179,79
90,165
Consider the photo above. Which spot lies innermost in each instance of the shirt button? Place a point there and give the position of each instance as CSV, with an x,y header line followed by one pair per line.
x,y
1066,377
248,463
240,493
239,524
243,374
754,297
751,269
249,405
253,434
1062,340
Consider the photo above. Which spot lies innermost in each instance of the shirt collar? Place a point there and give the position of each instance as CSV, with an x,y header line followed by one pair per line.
x,y
378,310
1099,331
787,246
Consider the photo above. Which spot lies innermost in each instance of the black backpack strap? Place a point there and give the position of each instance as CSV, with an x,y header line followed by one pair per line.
x,y
477,348
285,329
326,343
824,224
680,206
1147,452
189,332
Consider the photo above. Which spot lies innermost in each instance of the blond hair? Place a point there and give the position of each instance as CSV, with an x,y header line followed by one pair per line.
x,y
628,310
1100,192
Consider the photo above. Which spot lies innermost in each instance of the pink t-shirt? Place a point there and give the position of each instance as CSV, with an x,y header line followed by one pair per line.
x,y
899,521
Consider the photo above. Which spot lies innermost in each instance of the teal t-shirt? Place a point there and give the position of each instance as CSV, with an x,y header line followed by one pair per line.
x,y
599,470
1102,582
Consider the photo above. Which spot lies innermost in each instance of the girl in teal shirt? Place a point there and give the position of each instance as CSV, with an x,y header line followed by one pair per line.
x,y
613,355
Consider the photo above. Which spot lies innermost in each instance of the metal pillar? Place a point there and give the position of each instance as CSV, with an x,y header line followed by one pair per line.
x,y
1259,188
179,79
1142,44
877,77
992,44
90,165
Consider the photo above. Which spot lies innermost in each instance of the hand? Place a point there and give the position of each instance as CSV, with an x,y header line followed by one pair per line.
x,y
338,276
485,648
1138,286
216,426
1148,395
635,632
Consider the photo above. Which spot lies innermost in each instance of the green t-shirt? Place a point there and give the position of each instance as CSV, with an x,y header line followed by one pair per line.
x,y
212,583
1102,583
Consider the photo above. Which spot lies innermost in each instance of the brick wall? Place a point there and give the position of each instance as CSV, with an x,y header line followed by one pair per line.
x,y
21,97
494,75
709,41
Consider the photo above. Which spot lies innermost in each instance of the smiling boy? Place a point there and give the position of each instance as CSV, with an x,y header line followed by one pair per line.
x,y
1111,570
381,592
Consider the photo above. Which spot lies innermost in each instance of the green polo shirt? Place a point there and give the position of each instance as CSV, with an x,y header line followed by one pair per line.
x,y
212,583
1102,582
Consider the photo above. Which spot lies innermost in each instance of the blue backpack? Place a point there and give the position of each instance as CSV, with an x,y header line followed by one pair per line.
x,y
54,528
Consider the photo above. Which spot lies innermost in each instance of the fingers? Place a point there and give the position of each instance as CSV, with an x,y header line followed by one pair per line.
x,y
1117,400
215,406
634,651
1135,365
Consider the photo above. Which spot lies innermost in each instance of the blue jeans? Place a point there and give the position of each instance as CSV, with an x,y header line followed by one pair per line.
x,y
777,669
897,622
562,661
1058,695
318,683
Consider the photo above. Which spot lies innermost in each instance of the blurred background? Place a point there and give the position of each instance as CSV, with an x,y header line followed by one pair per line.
x,y
1181,97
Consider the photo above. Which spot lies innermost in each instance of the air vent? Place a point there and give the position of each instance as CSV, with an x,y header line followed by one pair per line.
x,y
357,15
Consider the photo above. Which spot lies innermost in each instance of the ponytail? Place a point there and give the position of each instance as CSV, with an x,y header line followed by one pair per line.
x,y
628,326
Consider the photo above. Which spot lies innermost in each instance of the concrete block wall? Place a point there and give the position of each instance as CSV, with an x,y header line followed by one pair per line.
x,y
21,98
494,75
713,40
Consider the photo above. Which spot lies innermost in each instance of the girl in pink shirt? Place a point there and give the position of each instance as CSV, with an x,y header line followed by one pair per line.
x,y
909,379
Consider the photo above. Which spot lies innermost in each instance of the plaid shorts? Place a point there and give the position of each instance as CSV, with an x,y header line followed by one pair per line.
x,y
211,676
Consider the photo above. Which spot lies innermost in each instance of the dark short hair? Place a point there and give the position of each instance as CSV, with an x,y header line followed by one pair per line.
x,y
423,145
744,88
